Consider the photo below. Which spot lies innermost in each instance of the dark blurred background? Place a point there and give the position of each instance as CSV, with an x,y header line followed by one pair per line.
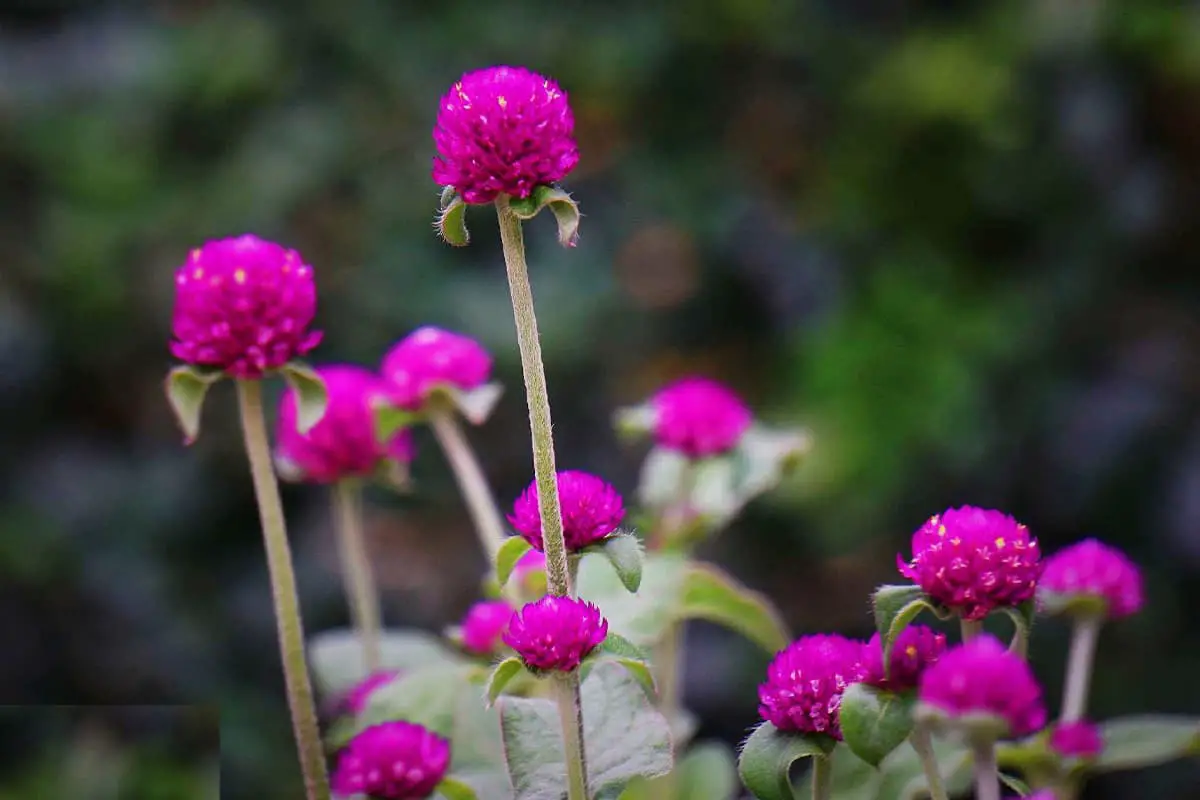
x,y
956,239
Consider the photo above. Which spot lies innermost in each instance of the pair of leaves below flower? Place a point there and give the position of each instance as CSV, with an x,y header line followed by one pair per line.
x,y
451,221
622,550
475,405
766,759
624,734
874,721
614,648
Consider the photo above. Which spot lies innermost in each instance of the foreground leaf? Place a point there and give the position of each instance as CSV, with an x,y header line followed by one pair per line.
x,y
453,789
624,552
765,762
186,388
896,606
875,722
711,594
566,212
707,772
511,551
336,656
390,420
503,673
1022,617
853,778
451,221
1145,741
476,404
640,617
311,395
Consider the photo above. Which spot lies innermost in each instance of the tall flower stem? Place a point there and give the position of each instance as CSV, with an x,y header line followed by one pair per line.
x,y
822,777
570,712
283,591
1079,667
668,653
987,778
922,744
970,629
357,575
471,480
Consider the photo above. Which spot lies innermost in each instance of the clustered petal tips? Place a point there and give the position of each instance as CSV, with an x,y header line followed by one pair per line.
x,y
392,761
503,130
974,560
699,417
483,626
1076,740
430,357
591,510
343,444
556,633
243,305
982,677
914,649
1094,570
805,682
357,698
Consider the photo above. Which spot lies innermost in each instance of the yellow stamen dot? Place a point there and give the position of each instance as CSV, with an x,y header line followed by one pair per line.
x,y
941,530
1000,542
502,102
198,273
956,541
911,651
239,276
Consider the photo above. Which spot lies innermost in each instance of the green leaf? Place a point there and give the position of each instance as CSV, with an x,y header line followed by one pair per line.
x,y
427,696
186,388
853,778
875,722
640,670
713,492
624,552
566,212
765,762
709,593
1016,784
513,549
1071,604
707,772
640,617
635,422
1022,617
476,737
1146,741
476,404
664,477
624,734
453,789
390,420
504,672
311,397
617,645
765,456
451,221
336,656
896,606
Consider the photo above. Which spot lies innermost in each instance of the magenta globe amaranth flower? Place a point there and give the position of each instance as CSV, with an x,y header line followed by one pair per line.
x,y
974,560
556,633
343,443
357,698
1092,571
243,305
429,358
392,761
982,679
503,130
1076,740
805,683
591,510
914,649
483,625
699,417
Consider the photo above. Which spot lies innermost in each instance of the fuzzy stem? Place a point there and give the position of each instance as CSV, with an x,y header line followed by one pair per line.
x,y
283,591
361,594
922,743
570,712
987,777
471,481
1079,668
544,473
970,629
822,777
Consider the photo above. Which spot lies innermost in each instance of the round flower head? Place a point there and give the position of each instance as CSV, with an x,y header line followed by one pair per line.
x,y
699,417
430,357
1090,570
343,443
392,761
503,130
805,682
914,649
982,678
483,625
974,560
556,633
357,698
1076,740
243,305
591,510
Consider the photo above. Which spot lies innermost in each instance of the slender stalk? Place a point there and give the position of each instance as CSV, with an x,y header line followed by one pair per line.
x,y
922,743
987,777
283,591
570,712
471,481
361,594
1079,668
822,777
667,661
970,629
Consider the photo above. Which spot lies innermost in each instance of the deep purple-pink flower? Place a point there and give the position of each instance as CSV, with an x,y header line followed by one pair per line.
x,y
430,357
1093,569
699,417
243,305
974,560
392,761
1076,740
357,698
503,130
914,649
591,510
343,443
805,682
556,633
483,625
983,677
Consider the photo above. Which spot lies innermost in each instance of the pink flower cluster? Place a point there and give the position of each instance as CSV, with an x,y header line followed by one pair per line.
x,y
392,761
699,417
483,626
429,358
556,633
805,683
357,698
914,649
1091,569
591,510
1076,740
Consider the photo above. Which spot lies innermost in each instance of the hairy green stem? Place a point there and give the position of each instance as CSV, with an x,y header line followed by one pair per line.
x,y
283,591
822,777
361,594
1079,667
570,712
922,744
970,629
471,481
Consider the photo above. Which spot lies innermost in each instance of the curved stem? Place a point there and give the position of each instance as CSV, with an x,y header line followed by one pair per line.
x,y
822,777
283,591
970,629
471,481
922,743
570,712
361,594
1079,668
987,778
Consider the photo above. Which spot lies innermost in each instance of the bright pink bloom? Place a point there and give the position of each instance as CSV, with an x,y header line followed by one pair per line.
x,y
1076,740
1093,569
483,625
430,357
556,633
343,443
243,305
699,417
503,130
974,560
357,698
532,561
914,649
591,510
392,761
805,682
983,677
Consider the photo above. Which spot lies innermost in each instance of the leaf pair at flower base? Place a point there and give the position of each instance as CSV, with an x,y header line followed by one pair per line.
x,y
475,405
451,222
622,550
614,649
766,759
